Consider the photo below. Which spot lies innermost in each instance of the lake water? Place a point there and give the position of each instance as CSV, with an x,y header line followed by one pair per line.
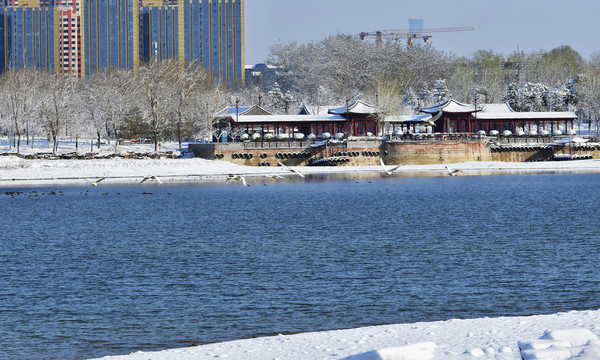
x,y
93,271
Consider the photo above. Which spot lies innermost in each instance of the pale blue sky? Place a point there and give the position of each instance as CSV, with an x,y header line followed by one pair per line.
x,y
499,24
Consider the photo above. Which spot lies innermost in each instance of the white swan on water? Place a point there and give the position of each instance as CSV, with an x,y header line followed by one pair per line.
x,y
151,177
237,177
386,170
290,169
452,172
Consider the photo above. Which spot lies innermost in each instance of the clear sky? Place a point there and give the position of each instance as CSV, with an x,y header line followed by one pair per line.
x,y
500,25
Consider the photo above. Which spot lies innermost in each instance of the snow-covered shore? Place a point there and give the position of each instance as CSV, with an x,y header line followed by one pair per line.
x,y
565,336
15,171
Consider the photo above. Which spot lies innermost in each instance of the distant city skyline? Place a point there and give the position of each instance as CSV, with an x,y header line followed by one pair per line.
x,y
502,26
84,37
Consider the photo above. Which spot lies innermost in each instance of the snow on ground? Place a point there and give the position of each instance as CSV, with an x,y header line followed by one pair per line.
x,y
18,171
560,336
571,335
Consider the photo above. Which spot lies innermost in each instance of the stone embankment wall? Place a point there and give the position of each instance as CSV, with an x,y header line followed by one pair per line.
x,y
438,152
368,153
293,153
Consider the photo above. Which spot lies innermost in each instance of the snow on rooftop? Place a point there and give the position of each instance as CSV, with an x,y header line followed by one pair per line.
x,y
528,115
407,118
449,106
496,108
355,107
317,109
263,119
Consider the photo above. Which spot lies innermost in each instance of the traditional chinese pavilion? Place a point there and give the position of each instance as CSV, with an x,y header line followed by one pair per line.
x,y
355,119
454,117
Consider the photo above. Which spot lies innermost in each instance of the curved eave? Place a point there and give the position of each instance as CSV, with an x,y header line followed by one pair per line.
x,y
357,107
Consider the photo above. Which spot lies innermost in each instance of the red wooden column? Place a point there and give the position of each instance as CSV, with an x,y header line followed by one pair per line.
x,y
444,121
469,129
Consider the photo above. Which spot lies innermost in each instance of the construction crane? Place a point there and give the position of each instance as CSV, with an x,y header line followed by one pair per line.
x,y
408,34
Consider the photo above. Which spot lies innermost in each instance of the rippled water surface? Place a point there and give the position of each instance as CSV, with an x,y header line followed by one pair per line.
x,y
87,272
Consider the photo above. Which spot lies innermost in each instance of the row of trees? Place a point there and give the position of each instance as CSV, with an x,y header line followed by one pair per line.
x,y
338,67
164,100
161,100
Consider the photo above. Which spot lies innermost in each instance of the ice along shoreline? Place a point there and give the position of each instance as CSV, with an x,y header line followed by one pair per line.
x,y
15,171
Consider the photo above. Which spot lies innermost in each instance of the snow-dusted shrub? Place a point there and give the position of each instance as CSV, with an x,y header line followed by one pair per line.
x,y
494,133
533,133
298,136
520,133
311,136
544,133
244,137
326,135
281,136
507,133
481,132
269,137
338,136
256,137
558,132
572,132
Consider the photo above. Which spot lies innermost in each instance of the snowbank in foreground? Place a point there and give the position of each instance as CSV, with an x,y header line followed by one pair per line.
x,y
559,336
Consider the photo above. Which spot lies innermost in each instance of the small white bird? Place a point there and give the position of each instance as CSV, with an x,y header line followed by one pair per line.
x,y
386,170
290,169
274,176
452,172
94,183
151,177
237,177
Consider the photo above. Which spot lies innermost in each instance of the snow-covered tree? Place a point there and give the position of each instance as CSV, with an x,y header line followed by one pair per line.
x,y
187,83
154,83
440,92
280,100
410,101
209,101
58,97
17,93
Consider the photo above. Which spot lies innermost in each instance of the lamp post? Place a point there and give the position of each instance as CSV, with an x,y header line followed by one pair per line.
x,y
237,113
348,117
475,112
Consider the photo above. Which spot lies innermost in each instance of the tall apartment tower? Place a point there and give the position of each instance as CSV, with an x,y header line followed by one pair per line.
x,y
210,32
69,50
111,33
84,37
28,31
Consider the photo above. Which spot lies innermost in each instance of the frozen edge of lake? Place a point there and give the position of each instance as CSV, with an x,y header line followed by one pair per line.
x,y
15,171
